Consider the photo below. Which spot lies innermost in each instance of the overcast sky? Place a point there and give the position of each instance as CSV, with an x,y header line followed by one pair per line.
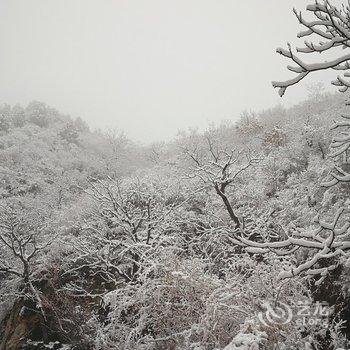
x,y
148,67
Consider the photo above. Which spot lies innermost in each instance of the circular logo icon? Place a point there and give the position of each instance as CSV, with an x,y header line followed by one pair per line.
x,y
275,314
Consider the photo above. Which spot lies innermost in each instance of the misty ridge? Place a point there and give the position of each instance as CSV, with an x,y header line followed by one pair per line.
x,y
232,237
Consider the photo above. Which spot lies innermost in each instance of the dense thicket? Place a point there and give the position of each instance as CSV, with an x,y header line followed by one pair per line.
x,y
106,244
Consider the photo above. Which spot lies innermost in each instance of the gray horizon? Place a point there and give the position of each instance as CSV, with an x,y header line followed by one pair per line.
x,y
148,68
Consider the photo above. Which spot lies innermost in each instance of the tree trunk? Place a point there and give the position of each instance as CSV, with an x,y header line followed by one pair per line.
x,y
228,206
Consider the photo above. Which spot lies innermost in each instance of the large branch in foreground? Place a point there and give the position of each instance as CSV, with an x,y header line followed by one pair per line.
x,y
328,241
340,147
333,28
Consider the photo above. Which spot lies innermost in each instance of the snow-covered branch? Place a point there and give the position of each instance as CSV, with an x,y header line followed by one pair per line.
x,y
329,241
332,27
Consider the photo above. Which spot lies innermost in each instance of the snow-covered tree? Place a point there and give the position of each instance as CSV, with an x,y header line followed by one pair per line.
x,y
330,240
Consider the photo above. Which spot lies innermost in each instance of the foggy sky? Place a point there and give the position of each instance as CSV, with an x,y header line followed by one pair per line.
x,y
148,67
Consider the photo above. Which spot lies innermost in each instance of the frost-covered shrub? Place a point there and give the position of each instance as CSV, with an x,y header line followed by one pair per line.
x,y
178,304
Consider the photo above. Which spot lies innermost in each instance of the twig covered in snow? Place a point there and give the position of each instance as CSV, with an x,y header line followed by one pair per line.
x,y
331,26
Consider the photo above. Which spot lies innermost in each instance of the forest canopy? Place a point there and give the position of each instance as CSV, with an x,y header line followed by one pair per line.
x,y
232,238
